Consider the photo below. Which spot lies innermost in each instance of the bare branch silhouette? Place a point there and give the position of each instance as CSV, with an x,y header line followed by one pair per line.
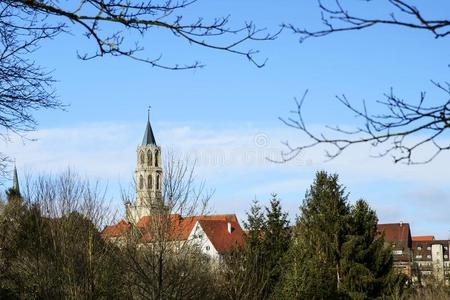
x,y
401,132
117,27
338,18
406,127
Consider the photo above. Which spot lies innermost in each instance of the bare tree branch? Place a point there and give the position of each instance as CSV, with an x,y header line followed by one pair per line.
x,y
405,128
337,18
104,22
399,132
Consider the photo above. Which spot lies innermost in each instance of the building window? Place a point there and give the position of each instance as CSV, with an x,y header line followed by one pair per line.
x,y
150,182
428,248
207,248
445,248
397,252
149,158
419,248
142,157
158,182
428,256
141,182
446,256
419,256
156,158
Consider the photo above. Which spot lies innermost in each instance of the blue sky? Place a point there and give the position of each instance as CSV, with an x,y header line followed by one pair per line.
x,y
221,113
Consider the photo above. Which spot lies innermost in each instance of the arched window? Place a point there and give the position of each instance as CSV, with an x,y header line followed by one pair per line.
x,y
141,182
149,158
142,157
150,182
158,182
156,158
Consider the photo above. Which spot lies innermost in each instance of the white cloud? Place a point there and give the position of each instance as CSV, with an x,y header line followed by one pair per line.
x,y
233,160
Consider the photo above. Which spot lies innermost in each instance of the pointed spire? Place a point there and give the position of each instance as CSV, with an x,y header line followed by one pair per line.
x,y
149,138
15,180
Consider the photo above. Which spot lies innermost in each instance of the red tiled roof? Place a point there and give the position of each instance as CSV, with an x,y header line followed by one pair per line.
x,y
116,230
423,238
220,237
397,232
179,228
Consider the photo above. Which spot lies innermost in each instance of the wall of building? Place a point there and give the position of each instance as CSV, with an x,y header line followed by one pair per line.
x,y
199,238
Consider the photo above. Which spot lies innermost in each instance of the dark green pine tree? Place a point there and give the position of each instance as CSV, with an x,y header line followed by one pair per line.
x,y
334,252
275,244
254,227
267,241
252,263
322,227
366,262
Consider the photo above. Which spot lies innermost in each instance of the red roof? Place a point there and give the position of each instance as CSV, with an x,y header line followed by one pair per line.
x,y
179,228
397,232
220,237
423,238
116,230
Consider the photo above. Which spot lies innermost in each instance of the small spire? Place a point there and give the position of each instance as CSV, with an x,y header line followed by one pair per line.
x,y
15,180
149,138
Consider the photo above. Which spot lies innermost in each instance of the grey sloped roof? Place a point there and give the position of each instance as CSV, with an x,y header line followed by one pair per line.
x,y
149,138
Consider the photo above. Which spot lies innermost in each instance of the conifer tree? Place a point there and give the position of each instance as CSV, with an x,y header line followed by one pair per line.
x,y
254,226
267,241
253,260
334,253
275,243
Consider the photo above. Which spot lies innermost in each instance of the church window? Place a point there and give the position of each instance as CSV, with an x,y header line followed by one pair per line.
x,y
150,181
156,158
149,158
141,182
207,248
158,182
142,157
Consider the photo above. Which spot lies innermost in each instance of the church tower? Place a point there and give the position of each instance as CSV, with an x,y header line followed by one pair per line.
x,y
148,178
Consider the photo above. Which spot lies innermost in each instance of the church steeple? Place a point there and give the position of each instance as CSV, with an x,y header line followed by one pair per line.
x,y
15,186
149,138
148,178
13,193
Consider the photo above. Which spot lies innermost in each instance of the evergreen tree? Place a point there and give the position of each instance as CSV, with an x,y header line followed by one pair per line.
x,y
366,262
267,241
253,256
334,253
254,227
275,243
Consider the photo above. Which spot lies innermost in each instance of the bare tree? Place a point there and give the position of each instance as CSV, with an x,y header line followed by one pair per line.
x,y
405,127
162,262
55,249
